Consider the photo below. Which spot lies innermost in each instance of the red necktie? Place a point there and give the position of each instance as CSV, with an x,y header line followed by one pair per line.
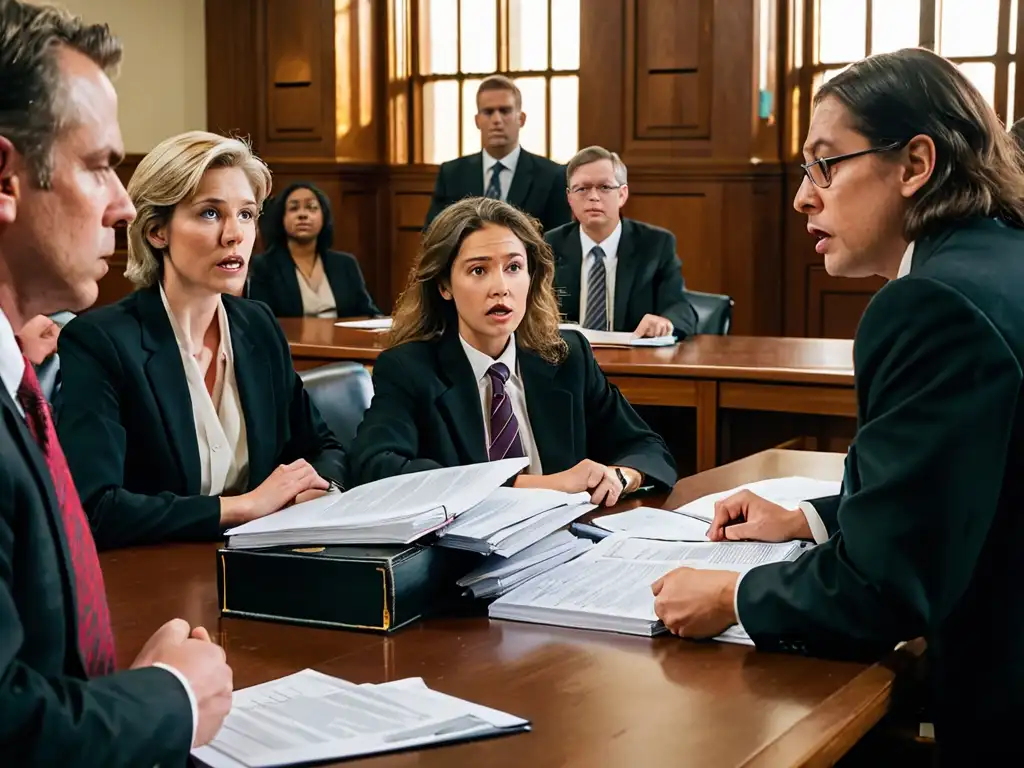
x,y
95,638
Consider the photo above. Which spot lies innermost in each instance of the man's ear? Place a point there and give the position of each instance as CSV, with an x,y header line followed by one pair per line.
x,y
918,165
10,188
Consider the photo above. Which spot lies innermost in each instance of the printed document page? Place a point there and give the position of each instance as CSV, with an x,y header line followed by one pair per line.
x,y
393,499
651,523
309,717
609,587
619,338
787,492
371,324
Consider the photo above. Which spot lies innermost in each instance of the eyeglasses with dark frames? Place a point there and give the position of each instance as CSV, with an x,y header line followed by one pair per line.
x,y
820,171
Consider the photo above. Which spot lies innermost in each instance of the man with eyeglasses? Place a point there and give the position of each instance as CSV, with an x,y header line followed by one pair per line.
x,y
909,175
502,169
611,273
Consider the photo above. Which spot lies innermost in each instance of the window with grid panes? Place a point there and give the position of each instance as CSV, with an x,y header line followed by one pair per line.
x,y
535,42
980,36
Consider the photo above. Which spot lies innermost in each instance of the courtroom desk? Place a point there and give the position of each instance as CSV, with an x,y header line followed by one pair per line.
x,y
787,375
594,698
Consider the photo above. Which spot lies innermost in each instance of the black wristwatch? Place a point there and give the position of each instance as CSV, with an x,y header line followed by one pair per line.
x,y
622,478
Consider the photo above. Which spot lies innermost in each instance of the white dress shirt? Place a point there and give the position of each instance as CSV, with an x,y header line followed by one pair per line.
x,y
516,395
316,293
12,368
818,530
610,246
509,161
219,420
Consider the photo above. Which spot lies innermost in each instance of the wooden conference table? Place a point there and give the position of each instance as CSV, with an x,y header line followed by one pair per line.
x,y
594,698
708,373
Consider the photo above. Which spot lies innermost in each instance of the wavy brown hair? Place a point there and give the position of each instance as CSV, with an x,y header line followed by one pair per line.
x,y
896,96
423,314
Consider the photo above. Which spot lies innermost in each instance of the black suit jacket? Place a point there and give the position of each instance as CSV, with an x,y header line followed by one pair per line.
x,y
426,413
926,537
538,187
50,714
273,281
648,276
125,418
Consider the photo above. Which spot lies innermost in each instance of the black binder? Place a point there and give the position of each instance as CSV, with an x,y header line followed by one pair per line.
x,y
376,588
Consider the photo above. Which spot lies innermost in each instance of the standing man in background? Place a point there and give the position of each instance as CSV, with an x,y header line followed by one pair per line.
x,y
61,701
611,273
503,170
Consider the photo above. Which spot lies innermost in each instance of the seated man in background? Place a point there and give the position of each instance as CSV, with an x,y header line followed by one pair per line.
x,y
503,170
615,274
909,176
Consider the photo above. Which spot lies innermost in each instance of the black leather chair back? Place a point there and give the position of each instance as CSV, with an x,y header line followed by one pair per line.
x,y
341,392
714,312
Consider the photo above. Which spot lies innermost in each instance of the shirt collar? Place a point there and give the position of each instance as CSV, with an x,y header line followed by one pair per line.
x,y
610,245
12,364
509,161
906,262
481,362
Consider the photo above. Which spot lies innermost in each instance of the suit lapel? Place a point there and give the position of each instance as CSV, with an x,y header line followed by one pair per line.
x,y
625,272
473,181
255,392
522,180
166,375
34,458
571,263
285,269
459,405
340,287
550,412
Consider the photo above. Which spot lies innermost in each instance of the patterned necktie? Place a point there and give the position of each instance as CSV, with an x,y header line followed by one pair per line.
x,y
505,440
494,186
95,638
597,293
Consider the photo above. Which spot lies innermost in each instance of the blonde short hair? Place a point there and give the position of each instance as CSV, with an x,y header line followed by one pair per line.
x,y
171,173
595,154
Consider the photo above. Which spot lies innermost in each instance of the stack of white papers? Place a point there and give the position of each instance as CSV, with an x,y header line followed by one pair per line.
x,y
651,523
609,587
395,510
511,519
311,717
619,338
787,492
498,575
372,324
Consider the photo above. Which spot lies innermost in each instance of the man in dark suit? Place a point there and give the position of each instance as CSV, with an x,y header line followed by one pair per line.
x,y
615,274
503,170
910,176
61,703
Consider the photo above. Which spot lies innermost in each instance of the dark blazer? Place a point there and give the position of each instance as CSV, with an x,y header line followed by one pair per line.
x,y
538,187
125,418
50,714
273,281
926,537
648,276
426,413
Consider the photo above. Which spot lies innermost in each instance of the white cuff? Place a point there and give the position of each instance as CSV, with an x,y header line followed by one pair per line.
x,y
191,698
736,599
818,530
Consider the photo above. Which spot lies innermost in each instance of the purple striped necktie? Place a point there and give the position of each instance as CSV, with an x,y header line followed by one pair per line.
x,y
505,440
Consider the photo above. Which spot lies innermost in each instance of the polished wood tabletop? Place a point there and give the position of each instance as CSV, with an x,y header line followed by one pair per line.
x,y
594,698
763,358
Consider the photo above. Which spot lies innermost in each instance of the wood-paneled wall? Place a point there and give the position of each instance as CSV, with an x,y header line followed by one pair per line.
x,y
669,84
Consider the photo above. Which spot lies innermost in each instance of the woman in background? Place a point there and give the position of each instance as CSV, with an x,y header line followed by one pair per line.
x,y
478,370
181,413
299,275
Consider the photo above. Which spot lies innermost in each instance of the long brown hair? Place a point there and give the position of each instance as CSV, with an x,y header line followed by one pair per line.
x,y
895,96
422,313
